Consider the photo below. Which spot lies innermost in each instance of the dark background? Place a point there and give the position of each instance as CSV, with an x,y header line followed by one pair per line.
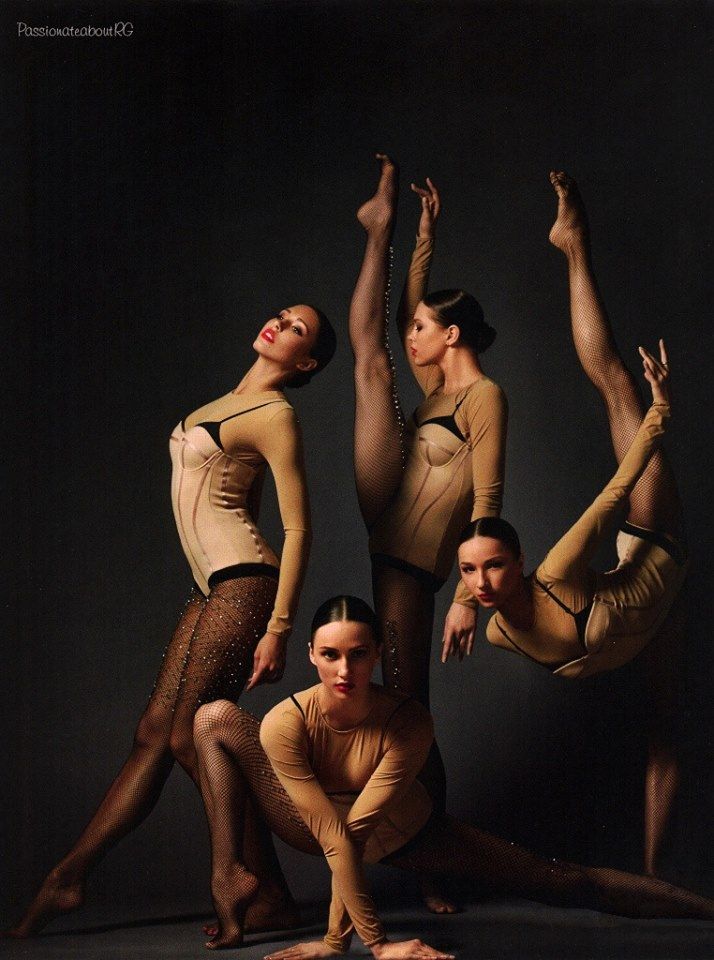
x,y
163,195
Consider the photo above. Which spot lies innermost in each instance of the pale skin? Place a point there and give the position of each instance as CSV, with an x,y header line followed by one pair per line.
x,y
432,343
283,348
345,654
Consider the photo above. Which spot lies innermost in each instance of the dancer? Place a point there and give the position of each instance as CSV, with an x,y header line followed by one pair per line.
x,y
416,488
332,770
564,615
235,625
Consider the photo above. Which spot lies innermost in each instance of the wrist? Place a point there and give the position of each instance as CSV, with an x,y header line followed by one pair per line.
x,y
378,948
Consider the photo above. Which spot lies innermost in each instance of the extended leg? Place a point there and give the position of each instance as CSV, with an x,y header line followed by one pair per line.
x,y
378,419
454,848
654,503
131,796
234,772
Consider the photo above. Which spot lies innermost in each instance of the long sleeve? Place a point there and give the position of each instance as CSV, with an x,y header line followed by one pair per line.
x,y
415,286
485,413
285,741
569,559
281,445
407,740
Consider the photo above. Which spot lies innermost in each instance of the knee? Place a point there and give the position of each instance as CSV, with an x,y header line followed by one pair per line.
x,y
210,721
181,743
153,730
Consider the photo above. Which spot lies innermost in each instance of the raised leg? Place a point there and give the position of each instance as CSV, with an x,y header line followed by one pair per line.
x,y
378,418
451,847
236,777
654,503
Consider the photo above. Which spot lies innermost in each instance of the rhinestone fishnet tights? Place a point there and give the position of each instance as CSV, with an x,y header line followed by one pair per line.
x,y
233,766
210,655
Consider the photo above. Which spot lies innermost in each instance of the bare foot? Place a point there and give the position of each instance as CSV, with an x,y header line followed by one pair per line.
x,y
434,899
268,910
570,230
304,951
378,213
232,889
56,896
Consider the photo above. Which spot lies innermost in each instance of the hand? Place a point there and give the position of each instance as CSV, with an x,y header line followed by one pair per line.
x,y
304,951
657,373
459,630
408,950
430,206
268,661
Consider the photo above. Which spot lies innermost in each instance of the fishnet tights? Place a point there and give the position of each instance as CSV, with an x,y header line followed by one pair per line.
x,y
209,655
654,502
405,614
233,766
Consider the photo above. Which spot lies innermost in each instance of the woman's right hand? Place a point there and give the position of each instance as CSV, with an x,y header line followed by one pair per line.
x,y
408,950
430,207
657,373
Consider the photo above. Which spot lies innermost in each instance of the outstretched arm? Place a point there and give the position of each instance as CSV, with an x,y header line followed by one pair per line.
x,y
415,285
570,558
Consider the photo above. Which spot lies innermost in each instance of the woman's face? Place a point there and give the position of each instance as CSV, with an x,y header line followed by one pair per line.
x,y
344,653
289,337
490,570
427,338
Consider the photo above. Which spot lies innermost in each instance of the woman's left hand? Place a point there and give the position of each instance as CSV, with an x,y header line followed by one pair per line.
x,y
459,630
304,951
268,661
430,207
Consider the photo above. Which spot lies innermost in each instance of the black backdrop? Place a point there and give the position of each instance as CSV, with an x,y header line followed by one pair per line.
x,y
164,193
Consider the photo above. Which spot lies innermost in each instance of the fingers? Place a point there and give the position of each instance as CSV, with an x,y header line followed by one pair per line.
x,y
466,644
448,644
663,353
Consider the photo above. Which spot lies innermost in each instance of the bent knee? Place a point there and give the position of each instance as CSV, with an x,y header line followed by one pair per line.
x,y
211,718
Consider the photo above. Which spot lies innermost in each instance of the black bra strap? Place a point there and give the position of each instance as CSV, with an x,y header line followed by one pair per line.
x,y
292,697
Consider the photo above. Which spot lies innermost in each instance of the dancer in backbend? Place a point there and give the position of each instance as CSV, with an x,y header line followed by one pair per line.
x,y
564,615
237,620
332,771
417,487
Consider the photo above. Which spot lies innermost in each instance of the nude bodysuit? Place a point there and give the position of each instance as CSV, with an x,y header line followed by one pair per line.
x,y
455,463
355,789
587,622
219,454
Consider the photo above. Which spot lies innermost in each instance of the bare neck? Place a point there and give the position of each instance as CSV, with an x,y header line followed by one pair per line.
x,y
345,714
460,368
263,375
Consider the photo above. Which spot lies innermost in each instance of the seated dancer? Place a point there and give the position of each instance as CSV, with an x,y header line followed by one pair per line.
x,y
418,486
332,771
235,625
574,621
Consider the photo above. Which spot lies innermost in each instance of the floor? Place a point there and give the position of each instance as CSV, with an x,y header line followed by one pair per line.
x,y
507,930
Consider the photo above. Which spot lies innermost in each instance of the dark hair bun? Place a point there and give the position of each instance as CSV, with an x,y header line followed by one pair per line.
x,y
460,309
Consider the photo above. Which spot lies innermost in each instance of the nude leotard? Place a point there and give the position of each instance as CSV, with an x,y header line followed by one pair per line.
x,y
455,463
587,622
355,789
219,454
